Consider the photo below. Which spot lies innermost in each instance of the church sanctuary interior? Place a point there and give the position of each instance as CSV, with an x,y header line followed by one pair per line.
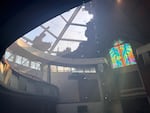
x,y
75,56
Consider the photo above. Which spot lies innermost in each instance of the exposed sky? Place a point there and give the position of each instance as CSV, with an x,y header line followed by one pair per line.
x,y
63,31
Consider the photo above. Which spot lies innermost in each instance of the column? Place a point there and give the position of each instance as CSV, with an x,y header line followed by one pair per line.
x,y
46,73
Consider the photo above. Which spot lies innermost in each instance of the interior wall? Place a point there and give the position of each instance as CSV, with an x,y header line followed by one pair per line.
x,y
143,60
69,93
131,90
68,89
130,77
136,105
95,107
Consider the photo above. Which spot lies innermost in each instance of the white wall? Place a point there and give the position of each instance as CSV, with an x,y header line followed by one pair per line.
x,y
69,93
68,89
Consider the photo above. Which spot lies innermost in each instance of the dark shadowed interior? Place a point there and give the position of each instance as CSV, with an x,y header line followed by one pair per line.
x,y
75,56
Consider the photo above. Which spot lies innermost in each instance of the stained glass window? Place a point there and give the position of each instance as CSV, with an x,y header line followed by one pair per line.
x,y
121,55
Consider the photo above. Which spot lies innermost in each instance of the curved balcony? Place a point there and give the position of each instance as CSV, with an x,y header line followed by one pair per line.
x,y
28,51
22,84
19,94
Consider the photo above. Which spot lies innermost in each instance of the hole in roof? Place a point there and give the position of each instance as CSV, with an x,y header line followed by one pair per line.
x,y
62,34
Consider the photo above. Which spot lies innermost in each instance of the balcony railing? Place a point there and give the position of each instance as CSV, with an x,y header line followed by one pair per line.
x,y
22,84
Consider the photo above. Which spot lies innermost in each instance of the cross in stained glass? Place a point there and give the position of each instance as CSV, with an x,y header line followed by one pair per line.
x,y
121,54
